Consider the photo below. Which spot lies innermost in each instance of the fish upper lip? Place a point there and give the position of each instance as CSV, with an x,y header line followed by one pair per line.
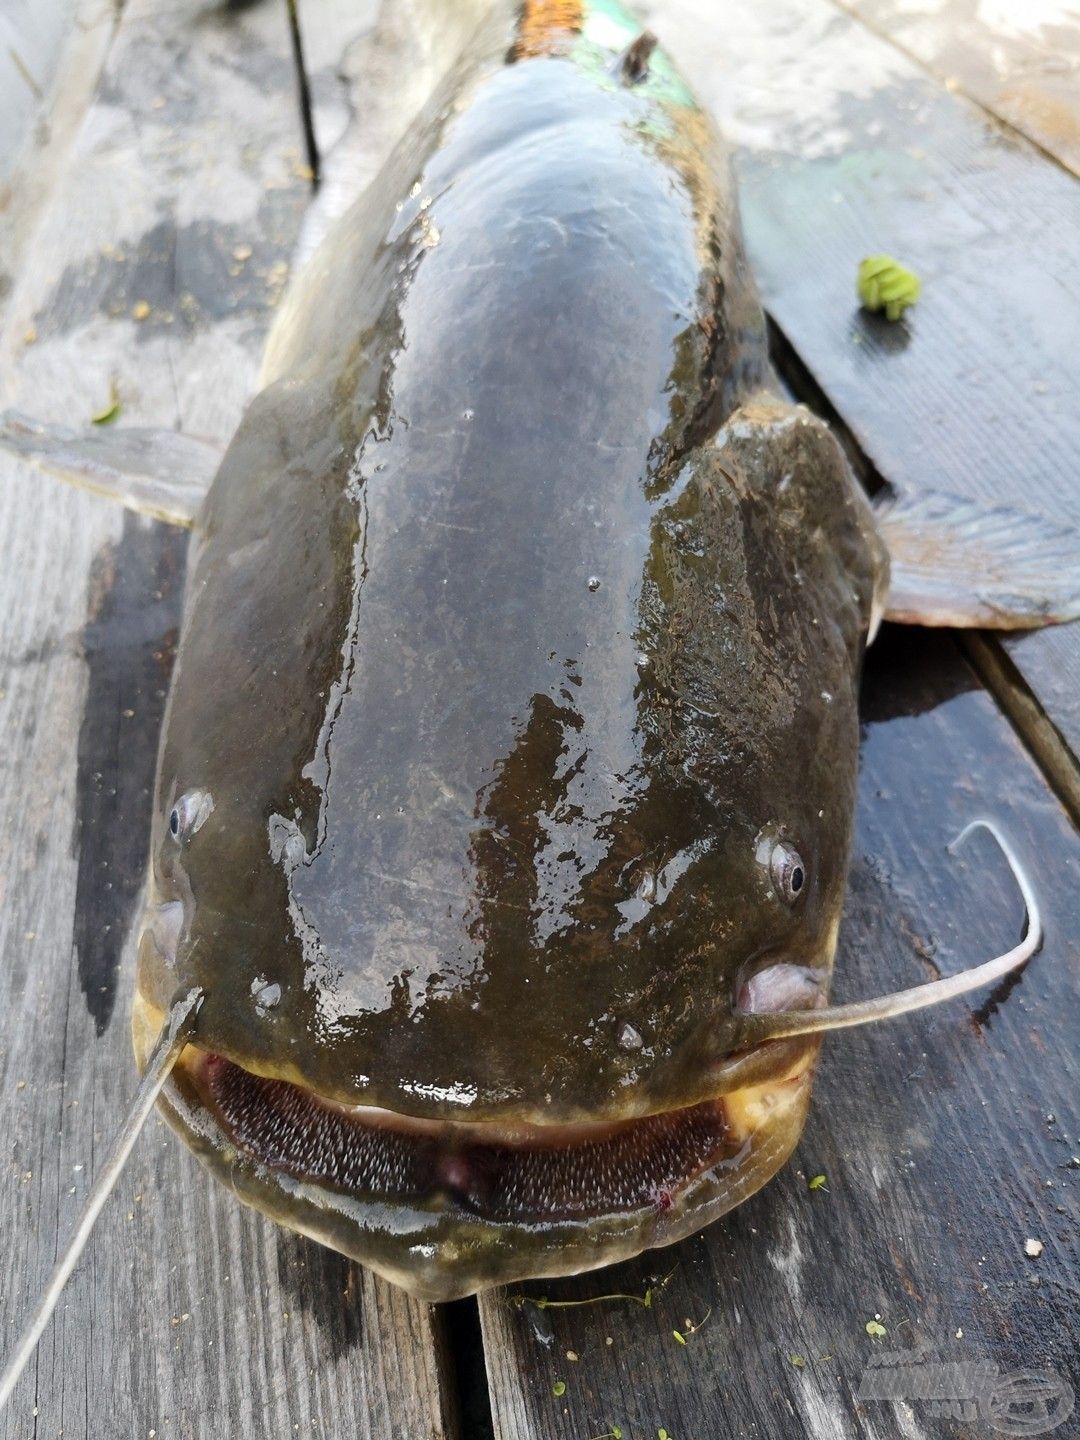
x,y
758,1064
540,1120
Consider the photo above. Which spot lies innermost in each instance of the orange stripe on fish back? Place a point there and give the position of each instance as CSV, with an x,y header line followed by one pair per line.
x,y
546,26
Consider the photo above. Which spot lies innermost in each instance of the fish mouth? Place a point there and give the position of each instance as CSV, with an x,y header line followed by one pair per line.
x,y
445,1209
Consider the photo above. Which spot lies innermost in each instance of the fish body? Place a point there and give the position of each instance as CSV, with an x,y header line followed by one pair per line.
x,y
510,758
521,645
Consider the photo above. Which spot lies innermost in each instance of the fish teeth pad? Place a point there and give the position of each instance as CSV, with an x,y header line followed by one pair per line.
x,y
636,1167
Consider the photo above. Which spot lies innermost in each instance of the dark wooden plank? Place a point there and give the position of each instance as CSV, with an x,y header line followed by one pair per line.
x,y
1021,61
847,148
188,1316
946,1138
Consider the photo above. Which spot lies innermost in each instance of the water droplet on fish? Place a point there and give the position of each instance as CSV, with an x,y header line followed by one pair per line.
x,y
629,1038
266,995
594,582
467,414
826,697
647,887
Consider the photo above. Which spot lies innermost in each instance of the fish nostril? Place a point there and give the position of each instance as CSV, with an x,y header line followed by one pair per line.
x,y
164,924
781,986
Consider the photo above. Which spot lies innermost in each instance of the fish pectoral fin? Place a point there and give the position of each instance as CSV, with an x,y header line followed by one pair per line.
x,y
161,473
962,563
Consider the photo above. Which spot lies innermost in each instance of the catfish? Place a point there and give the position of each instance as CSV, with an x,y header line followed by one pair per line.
x,y
506,785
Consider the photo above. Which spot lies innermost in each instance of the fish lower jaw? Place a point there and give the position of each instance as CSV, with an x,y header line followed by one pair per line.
x,y
445,1210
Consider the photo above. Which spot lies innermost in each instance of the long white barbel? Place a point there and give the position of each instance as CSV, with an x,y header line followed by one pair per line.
x,y
173,1038
780,1024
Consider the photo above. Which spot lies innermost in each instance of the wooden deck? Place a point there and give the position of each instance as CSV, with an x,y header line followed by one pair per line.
x,y
145,246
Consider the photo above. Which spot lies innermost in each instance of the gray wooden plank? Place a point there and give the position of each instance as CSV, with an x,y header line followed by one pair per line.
x,y
188,1316
68,51
947,1140
1020,61
845,148
32,40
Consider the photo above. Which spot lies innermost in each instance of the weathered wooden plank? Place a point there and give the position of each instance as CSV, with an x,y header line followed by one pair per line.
x,y
946,1139
64,65
1021,61
157,267
31,42
846,148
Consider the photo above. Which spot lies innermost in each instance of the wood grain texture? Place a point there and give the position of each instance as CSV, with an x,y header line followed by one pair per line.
x,y
188,1316
34,159
846,148
1018,58
946,1140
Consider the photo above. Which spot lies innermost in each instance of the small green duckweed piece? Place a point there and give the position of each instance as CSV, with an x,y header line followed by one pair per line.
x,y
797,1361
816,1182
559,1388
875,1329
885,284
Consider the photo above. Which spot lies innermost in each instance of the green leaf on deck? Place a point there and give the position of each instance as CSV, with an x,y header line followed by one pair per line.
x,y
107,415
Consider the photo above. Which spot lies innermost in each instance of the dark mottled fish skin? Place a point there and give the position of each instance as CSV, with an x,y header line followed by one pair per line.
x,y
519,618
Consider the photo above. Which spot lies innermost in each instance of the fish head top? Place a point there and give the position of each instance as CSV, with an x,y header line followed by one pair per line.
x,y
470,833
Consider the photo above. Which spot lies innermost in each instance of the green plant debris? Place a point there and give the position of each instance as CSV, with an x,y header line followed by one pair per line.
x,y
615,1433
541,1302
689,1328
875,1329
884,284
816,1182
797,1361
559,1388
662,1434
108,414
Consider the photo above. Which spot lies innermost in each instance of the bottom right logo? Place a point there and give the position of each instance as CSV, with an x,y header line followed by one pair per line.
x,y
1022,1402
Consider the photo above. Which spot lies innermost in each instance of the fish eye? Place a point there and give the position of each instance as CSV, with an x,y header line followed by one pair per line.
x,y
189,813
788,871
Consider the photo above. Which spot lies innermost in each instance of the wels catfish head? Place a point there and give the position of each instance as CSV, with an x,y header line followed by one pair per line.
x,y
480,901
